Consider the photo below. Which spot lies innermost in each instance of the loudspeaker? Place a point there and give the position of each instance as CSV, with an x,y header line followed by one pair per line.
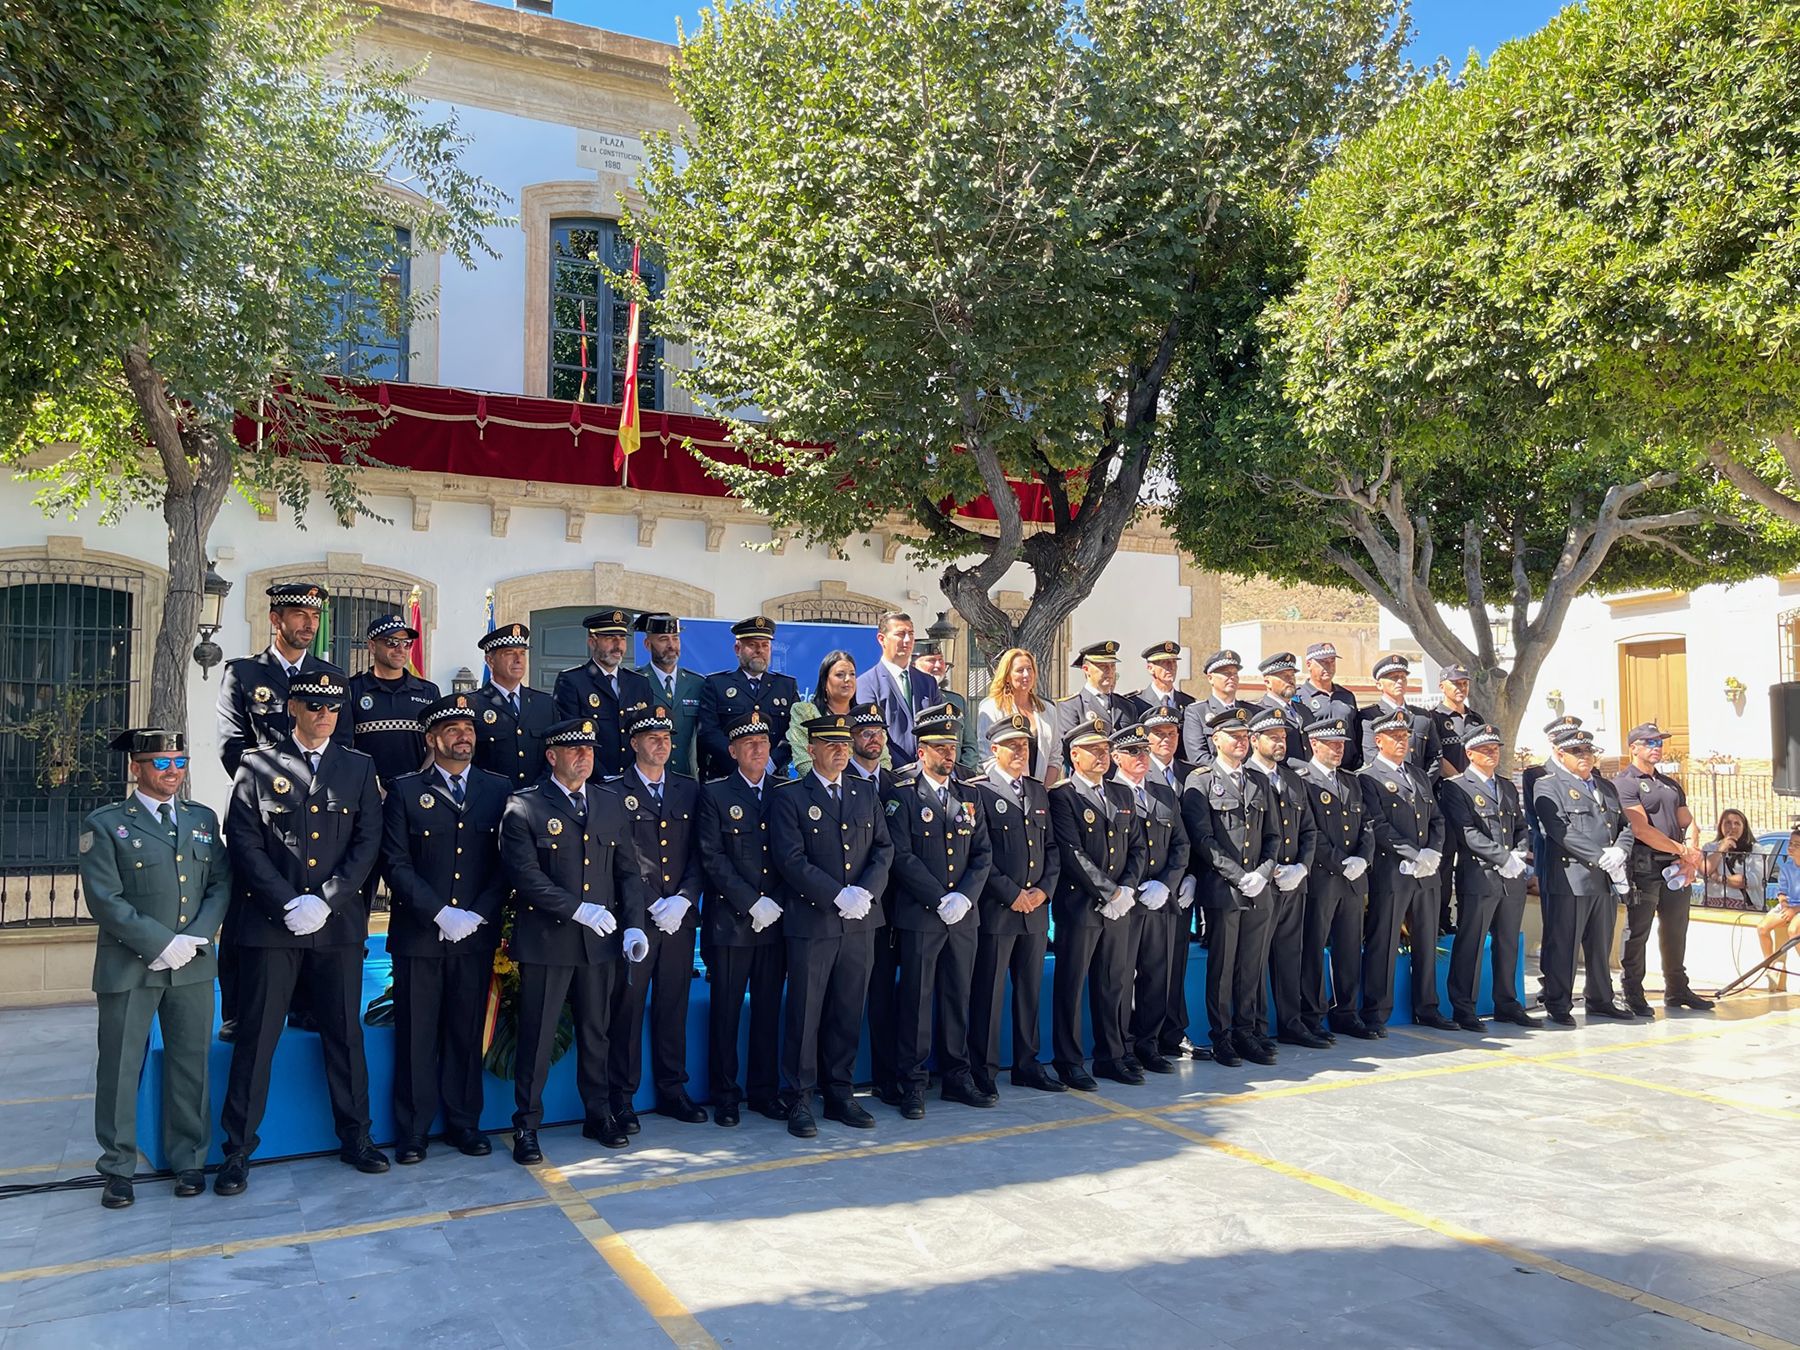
x,y
1784,736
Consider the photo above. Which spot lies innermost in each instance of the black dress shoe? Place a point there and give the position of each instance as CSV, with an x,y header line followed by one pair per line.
x,y
605,1131
1434,1019
726,1114
1152,1062
1038,1077
234,1175
409,1151
849,1113
1253,1049
1323,1032
965,1092
1469,1022
1518,1017
1118,1071
228,1031
985,1085
681,1108
117,1193
1378,1030
1302,1037
303,1021
1223,1052
1078,1078
1356,1030
365,1157
889,1094
189,1183
912,1104
1640,1008
1611,1010
1563,1019
470,1143
1687,998
1132,1064
627,1117
525,1148
772,1109
800,1122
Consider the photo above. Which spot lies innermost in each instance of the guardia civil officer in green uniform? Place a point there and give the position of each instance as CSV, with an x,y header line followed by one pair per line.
x,y
154,872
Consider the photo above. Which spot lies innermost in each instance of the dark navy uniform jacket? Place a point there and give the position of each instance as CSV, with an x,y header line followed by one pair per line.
x,y
1023,848
1340,702
1234,827
384,721
583,691
1296,830
510,746
1486,824
820,847
667,840
1337,807
1100,845
1577,821
293,834
734,855
436,854
1165,837
1404,816
253,701
724,699
556,862
938,848
1451,727
1424,749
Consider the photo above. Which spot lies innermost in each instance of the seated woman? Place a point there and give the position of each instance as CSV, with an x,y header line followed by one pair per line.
x,y
1785,916
1014,690
1729,864
833,692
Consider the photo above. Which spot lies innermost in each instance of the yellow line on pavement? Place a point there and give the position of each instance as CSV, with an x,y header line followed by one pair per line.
x,y
1518,1255
658,1299
40,1101
1692,1094
31,1167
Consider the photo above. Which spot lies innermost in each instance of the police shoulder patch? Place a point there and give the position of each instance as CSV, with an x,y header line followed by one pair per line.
x,y
87,840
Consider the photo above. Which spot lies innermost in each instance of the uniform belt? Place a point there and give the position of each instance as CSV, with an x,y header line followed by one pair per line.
x,y
390,724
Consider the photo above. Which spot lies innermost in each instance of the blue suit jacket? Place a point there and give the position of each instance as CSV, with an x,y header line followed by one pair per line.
x,y
877,686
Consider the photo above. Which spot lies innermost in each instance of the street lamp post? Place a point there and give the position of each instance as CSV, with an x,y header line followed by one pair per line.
x,y
213,590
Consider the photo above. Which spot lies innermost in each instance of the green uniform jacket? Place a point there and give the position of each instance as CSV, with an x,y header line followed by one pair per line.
x,y
143,887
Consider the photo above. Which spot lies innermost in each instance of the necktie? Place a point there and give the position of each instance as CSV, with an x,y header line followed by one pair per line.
x,y
906,686
669,688
1018,787
836,794
612,683
757,789
513,698
312,762
165,816
943,794
578,803
456,788
656,796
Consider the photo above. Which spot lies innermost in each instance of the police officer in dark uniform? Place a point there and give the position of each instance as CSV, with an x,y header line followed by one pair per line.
x,y
1298,841
868,741
1664,863
672,684
1324,698
253,701
441,857
1278,673
1453,719
1233,827
604,689
578,907
1100,846
742,938
305,830
1392,672
1197,737
1169,768
513,718
1337,886
664,809
1158,922
940,867
1015,910
1162,661
1099,664
155,878
1409,848
727,695
1482,812
1587,850
1564,724
386,702
828,836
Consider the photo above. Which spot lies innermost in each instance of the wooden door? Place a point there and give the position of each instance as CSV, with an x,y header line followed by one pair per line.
x,y
1653,688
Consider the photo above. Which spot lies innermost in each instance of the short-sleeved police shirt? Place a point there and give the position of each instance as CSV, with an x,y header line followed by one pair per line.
x,y
1661,798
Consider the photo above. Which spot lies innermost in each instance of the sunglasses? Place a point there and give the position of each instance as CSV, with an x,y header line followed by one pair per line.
x,y
393,642
163,763
313,707
1653,745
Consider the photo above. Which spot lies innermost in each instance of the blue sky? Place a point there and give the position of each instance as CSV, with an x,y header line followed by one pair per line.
x,y
1445,27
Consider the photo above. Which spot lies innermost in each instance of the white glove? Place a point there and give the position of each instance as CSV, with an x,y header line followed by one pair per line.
x,y
1612,860
953,907
1431,858
456,924
1424,867
1514,866
1153,895
866,896
637,946
1289,876
1252,884
178,953
1518,855
668,912
305,914
763,913
597,917
1354,866
849,903
1672,875
1408,868
1184,897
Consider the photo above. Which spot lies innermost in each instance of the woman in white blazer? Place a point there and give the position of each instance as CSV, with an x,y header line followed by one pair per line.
x,y
1014,690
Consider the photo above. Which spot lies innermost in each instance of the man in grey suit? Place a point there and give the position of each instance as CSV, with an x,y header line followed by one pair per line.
x,y
154,873
677,688
897,689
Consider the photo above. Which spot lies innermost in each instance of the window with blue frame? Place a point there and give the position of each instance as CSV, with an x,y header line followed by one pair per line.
x,y
373,339
590,327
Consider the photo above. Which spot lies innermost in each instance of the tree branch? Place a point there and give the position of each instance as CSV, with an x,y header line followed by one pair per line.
x,y
1484,636
1752,484
159,418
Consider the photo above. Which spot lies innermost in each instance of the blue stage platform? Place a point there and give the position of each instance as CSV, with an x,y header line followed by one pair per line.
x,y
299,1115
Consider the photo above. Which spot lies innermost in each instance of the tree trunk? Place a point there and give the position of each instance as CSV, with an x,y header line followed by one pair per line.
x,y
189,515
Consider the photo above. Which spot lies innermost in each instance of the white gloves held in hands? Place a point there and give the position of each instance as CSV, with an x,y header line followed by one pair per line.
x,y
668,912
954,907
1289,876
305,914
636,945
1120,904
763,913
1354,866
853,902
597,917
1153,895
456,924
178,953
1513,867
1252,884
1612,861
1184,897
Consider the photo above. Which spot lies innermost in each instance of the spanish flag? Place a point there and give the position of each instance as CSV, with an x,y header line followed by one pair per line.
x,y
630,433
415,659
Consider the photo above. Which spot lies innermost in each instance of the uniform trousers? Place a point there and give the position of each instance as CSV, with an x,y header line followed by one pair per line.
x,y
733,972
663,979
185,1012
595,994
1287,960
828,979
1572,919
998,955
1153,989
1237,955
1089,955
1480,916
1175,1026
884,982
1334,921
1669,909
1412,902
937,966
440,1003
267,978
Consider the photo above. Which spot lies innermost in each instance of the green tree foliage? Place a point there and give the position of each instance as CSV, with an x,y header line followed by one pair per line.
x,y
1504,326
280,246
961,241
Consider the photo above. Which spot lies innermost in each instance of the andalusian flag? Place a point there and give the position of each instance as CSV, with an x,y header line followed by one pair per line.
x,y
321,644
630,433
415,620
